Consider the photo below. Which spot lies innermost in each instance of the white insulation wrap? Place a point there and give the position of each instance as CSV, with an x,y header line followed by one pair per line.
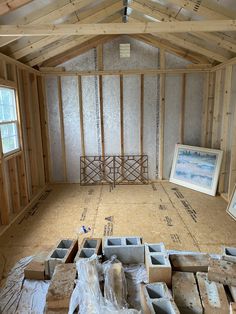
x,y
54,129
142,56
70,99
111,109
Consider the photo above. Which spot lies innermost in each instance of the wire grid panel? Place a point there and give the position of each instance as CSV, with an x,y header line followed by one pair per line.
x,y
128,169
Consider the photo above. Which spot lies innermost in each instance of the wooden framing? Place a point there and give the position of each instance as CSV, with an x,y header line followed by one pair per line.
x,y
210,107
62,128
99,13
161,115
49,13
100,68
217,111
224,131
205,110
43,125
14,185
182,110
7,6
121,115
81,114
141,113
119,28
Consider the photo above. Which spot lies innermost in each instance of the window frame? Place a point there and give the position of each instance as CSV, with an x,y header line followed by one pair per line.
x,y
16,122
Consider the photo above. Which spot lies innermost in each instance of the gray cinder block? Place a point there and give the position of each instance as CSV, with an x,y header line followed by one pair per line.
x,y
157,263
164,306
156,298
64,252
129,250
89,247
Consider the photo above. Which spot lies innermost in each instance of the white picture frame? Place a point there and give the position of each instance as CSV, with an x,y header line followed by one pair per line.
x,y
231,209
196,168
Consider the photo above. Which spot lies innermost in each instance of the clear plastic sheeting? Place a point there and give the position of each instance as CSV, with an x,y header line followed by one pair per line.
x,y
115,288
87,295
135,275
11,292
33,297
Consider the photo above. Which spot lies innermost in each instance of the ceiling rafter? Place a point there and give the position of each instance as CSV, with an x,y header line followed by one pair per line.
x,y
184,43
50,16
78,50
98,13
146,7
162,44
63,47
200,9
7,6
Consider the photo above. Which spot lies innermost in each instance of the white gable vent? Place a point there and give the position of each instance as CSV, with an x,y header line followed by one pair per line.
x,y
124,50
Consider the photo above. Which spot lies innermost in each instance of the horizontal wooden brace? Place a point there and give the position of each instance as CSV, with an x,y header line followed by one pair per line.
x,y
126,72
118,28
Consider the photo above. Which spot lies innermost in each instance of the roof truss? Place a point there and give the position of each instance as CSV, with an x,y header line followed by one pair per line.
x,y
63,26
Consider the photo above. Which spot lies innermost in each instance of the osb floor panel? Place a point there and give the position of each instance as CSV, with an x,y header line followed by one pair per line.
x,y
162,212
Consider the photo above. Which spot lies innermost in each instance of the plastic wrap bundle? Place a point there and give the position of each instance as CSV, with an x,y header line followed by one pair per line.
x,y
87,294
115,287
135,275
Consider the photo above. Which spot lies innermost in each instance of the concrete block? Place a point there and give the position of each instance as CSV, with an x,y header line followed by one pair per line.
x,y
213,296
129,250
84,253
61,287
158,268
154,248
89,247
222,271
232,308
164,306
233,292
229,254
35,270
154,292
185,293
190,262
64,252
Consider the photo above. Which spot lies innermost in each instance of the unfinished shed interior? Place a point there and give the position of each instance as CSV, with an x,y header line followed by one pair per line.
x,y
118,123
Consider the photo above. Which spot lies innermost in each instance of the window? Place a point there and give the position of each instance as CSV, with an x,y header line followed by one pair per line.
x,y
8,121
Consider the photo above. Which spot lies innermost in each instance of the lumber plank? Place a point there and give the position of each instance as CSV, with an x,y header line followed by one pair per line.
x,y
120,28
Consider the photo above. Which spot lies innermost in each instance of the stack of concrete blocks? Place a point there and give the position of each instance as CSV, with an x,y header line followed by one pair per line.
x,y
157,263
129,250
156,298
89,247
64,252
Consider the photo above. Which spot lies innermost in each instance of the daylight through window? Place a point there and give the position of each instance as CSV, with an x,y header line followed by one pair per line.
x,y
8,120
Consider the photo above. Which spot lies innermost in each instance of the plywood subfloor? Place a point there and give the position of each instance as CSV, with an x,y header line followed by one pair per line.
x,y
183,219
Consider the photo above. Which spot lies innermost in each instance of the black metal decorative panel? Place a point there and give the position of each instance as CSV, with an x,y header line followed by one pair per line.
x,y
114,170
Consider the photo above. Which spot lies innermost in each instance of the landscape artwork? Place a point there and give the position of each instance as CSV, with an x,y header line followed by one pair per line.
x,y
232,205
196,168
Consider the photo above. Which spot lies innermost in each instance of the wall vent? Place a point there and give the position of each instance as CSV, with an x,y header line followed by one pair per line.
x,y
124,50
197,5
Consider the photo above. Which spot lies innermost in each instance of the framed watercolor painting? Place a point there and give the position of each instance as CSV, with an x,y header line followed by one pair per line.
x,y
196,168
231,209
